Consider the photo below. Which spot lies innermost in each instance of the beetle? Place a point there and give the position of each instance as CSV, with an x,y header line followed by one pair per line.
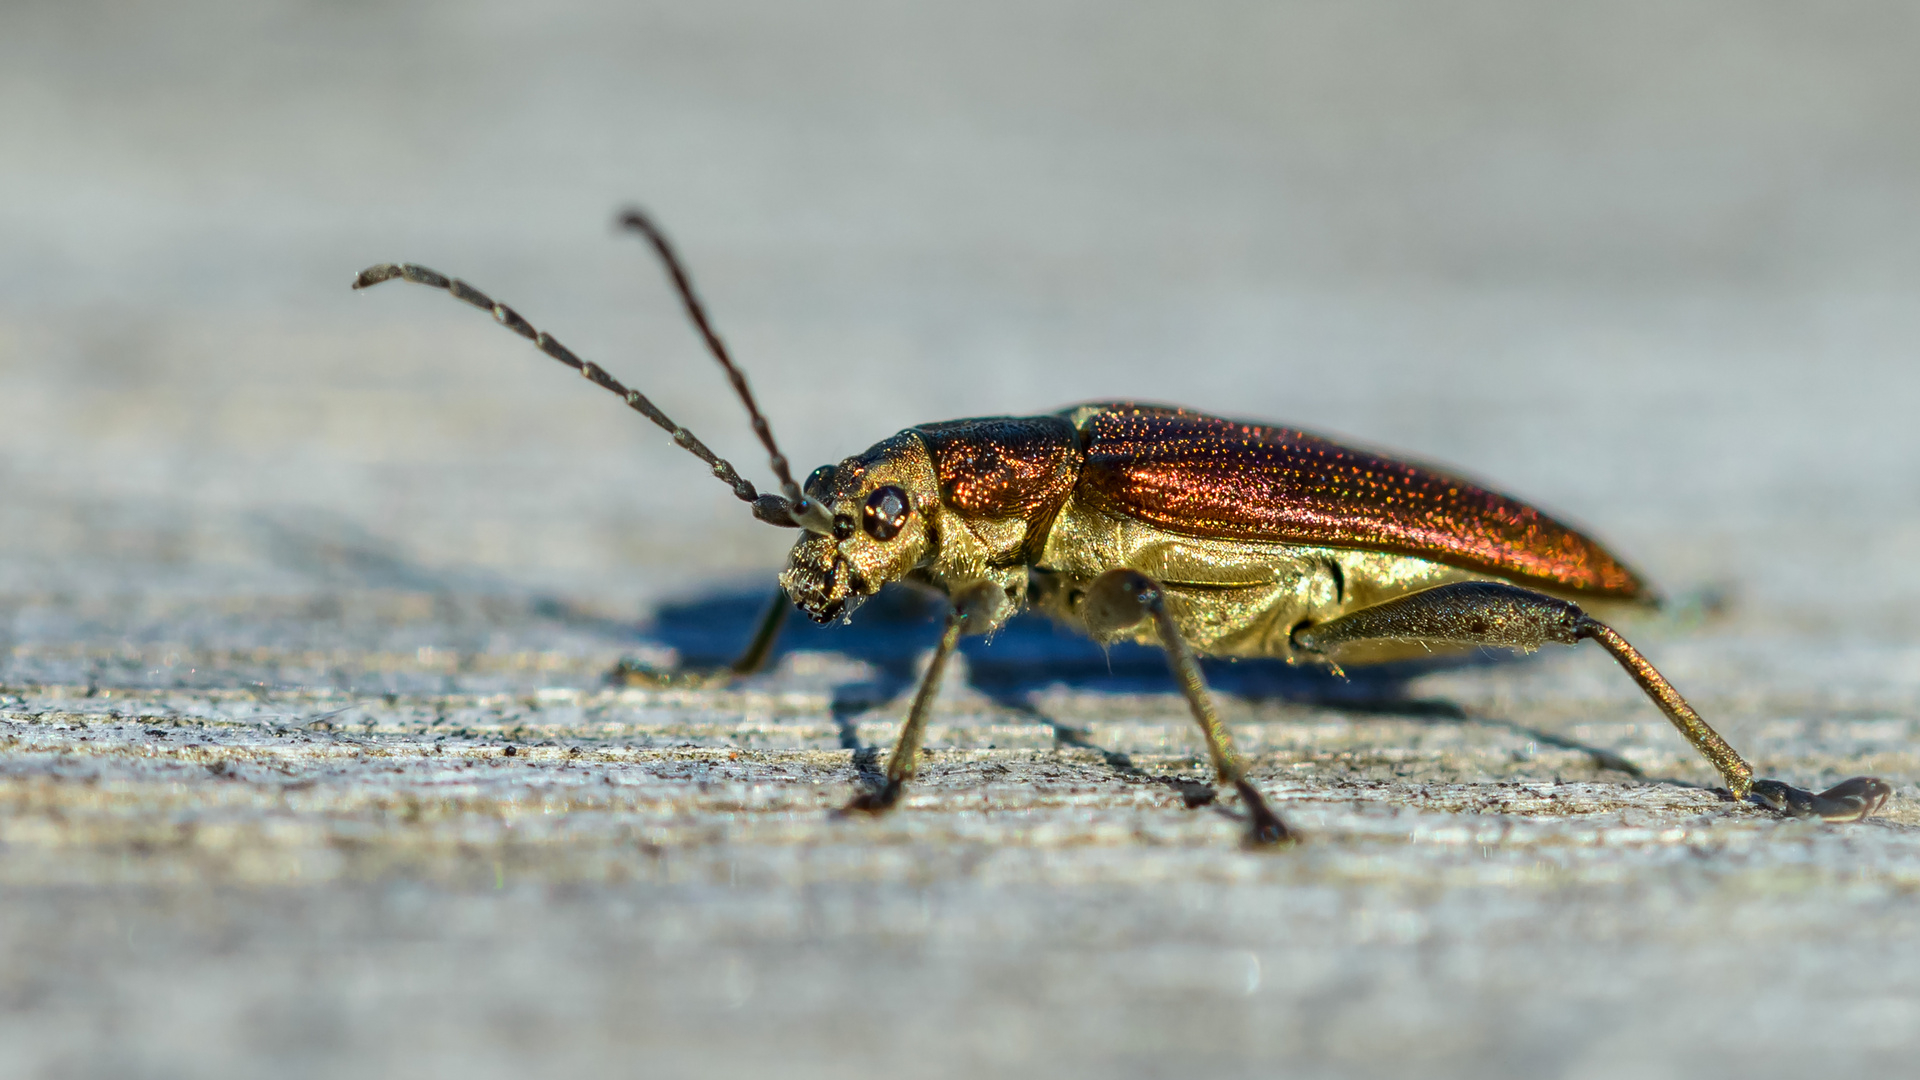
x,y
1156,524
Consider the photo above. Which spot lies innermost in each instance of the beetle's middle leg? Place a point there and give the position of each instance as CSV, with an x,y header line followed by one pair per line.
x,y
1491,613
1119,599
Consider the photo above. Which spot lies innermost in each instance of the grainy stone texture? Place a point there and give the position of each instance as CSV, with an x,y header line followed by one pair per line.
x,y
308,766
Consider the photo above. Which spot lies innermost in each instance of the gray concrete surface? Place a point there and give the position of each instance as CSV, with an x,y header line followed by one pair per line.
x,y
285,573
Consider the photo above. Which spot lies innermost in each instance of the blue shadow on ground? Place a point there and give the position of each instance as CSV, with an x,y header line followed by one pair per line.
x,y
891,632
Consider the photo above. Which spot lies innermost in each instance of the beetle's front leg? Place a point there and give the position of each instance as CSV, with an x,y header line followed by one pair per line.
x,y
751,659
979,606
1492,613
1119,599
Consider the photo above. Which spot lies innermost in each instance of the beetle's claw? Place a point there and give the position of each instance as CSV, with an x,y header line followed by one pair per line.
x,y
1268,830
875,800
1850,800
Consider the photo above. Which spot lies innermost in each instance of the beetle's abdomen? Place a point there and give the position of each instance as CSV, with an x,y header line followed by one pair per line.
x,y
1204,476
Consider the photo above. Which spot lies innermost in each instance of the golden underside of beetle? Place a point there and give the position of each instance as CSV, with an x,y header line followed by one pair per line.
x,y
1234,598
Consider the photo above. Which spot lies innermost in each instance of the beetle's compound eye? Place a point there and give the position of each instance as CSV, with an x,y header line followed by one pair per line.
x,y
820,480
886,513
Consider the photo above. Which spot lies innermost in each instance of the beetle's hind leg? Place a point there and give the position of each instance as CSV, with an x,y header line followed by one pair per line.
x,y
1492,613
751,659
1119,599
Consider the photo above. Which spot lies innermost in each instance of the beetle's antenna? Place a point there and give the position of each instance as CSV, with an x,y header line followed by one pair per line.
x,y
807,514
768,508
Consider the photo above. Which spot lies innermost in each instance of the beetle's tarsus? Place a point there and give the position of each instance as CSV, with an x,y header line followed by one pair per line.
x,y
875,800
1850,800
1268,830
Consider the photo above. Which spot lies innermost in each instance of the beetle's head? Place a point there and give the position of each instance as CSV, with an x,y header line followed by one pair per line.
x,y
879,503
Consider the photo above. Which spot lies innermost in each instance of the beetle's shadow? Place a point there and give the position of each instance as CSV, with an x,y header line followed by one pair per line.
x,y
892,632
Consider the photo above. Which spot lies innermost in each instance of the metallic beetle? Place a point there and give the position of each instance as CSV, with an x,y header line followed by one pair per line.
x,y
1203,535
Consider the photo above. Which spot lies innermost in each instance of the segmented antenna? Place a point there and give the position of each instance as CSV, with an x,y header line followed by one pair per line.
x,y
803,511
768,508
638,221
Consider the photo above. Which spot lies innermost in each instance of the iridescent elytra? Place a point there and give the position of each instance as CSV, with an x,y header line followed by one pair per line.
x,y
1157,524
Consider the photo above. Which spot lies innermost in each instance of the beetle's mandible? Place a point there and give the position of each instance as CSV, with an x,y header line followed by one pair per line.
x,y
1201,535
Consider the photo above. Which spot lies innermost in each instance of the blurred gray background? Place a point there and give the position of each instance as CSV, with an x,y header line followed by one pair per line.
x,y
1650,265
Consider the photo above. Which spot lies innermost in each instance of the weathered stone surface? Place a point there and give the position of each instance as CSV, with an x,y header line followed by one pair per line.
x,y
555,876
